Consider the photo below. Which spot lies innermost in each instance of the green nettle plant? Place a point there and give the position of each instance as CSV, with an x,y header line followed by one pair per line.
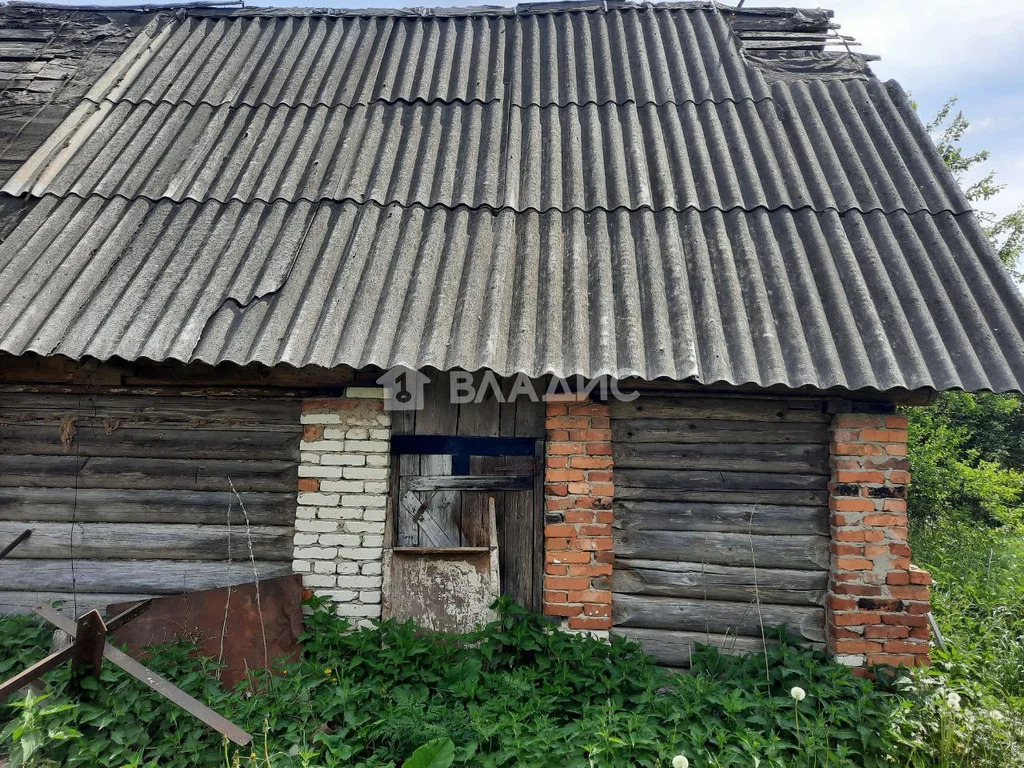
x,y
516,693
33,729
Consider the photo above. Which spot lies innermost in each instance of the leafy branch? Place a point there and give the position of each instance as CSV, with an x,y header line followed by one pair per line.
x,y
1006,232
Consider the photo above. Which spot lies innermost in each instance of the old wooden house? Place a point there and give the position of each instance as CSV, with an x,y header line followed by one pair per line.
x,y
220,228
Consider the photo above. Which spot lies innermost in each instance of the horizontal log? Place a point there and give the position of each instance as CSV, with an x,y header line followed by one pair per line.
x,y
719,582
717,480
814,498
795,552
207,411
717,616
801,43
816,36
716,431
103,505
171,474
741,409
675,649
468,483
781,19
742,457
767,519
153,577
149,378
71,605
151,442
52,541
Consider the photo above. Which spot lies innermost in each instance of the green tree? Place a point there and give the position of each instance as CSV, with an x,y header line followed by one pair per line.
x,y
966,458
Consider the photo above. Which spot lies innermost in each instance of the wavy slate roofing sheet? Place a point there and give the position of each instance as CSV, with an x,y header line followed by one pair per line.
x,y
580,191
844,145
854,300
538,59
317,60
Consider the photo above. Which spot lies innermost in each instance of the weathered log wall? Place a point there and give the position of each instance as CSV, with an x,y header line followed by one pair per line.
x,y
136,491
721,521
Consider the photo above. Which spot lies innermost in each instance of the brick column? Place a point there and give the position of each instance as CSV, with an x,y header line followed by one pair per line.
x,y
578,492
342,498
877,601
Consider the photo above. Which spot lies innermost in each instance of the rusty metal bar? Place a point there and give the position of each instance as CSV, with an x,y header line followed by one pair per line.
x,y
36,671
118,621
159,684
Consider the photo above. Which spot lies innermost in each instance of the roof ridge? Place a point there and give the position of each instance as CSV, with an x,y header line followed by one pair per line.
x,y
544,7
235,8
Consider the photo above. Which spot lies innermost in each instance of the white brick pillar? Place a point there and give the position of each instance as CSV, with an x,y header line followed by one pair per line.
x,y
343,492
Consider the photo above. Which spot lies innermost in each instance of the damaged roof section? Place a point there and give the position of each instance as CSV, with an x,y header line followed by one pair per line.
x,y
852,300
565,188
788,44
49,59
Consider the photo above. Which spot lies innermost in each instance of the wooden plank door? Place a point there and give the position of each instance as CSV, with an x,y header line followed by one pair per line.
x,y
467,442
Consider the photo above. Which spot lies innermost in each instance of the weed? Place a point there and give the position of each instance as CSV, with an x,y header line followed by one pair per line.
x,y
517,693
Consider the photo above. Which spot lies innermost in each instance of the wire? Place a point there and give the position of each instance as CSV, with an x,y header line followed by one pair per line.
x,y
74,503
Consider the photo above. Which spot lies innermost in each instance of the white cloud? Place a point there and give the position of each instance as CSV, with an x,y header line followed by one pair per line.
x,y
1009,171
995,123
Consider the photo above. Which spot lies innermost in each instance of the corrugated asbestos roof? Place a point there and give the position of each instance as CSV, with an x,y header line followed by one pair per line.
x,y
579,191
849,145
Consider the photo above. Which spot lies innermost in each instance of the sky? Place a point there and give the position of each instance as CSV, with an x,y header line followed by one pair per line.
x,y
935,49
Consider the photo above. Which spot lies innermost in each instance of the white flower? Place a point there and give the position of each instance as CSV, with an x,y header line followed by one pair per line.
x,y
996,715
680,761
798,693
953,699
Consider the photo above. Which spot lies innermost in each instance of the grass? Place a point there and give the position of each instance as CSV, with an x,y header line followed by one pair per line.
x,y
978,600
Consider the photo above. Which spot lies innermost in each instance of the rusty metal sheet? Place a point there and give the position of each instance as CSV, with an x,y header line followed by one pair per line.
x,y
225,623
145,675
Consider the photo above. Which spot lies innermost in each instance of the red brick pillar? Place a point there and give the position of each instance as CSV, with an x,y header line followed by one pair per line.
x,y
578,493
877,601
